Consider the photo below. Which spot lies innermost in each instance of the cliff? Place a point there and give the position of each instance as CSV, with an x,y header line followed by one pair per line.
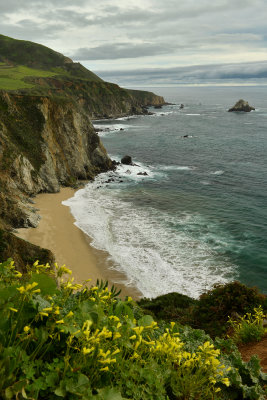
x,y
44,143
46,135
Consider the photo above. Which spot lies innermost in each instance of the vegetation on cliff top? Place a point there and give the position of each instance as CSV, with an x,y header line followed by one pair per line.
x,y
211,311
26,66
71,341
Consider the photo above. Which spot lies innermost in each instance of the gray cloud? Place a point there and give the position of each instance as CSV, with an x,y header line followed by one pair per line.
x,y
143,33
242,72
14,6
120,50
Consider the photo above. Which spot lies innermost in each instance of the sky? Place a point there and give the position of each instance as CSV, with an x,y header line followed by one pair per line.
x,y
150,42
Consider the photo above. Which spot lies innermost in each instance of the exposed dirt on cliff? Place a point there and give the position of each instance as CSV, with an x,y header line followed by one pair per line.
x,y
258,348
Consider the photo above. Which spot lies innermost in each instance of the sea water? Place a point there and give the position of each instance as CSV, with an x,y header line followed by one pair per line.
x,y
199,216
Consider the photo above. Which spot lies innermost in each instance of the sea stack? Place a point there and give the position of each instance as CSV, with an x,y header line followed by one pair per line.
x,y
241,105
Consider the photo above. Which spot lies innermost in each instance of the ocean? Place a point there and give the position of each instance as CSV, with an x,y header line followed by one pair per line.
x,y
199,216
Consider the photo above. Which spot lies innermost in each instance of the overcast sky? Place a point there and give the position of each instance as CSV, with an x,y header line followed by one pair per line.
x,y
138,42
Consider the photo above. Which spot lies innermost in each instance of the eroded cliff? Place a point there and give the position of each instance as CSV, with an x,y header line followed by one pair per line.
x,y
44,143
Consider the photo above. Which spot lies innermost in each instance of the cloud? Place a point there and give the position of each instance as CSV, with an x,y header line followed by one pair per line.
x,y
120,50
138,34
242,72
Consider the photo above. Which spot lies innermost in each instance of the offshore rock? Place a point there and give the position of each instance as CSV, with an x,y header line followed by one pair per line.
x,y
241,105
127,160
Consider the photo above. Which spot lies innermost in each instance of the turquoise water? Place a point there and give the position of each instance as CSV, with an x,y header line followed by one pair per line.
x,y
199,217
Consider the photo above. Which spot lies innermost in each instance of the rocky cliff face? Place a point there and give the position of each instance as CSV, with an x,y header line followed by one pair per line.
x,y
44,143
46,136
98,98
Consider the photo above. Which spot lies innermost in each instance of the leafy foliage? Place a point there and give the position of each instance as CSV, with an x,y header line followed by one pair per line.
x,y
215,306
248,328
70,341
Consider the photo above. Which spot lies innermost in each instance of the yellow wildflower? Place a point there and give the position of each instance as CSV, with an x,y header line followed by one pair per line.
x,y
114,318
108,361
116,335
226,381
43,314
138,329
104,369
135,355
70,314
61,321
13,309
26,329
86,350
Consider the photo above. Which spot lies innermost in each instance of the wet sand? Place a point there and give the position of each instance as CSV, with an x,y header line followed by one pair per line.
x,y
57,232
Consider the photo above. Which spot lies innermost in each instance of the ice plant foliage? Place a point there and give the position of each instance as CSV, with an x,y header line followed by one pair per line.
x,y
60,339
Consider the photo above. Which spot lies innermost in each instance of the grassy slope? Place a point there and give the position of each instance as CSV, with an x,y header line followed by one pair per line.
x,y
13,78
21,59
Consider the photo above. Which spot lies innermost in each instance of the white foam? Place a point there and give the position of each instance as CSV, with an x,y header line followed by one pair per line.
x,y
109,128
112,127
143,243
205,182
127,118
219,172
176,168
161,113
132,171
193,114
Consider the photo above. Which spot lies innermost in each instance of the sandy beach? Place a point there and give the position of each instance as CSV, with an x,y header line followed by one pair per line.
x,y
57,232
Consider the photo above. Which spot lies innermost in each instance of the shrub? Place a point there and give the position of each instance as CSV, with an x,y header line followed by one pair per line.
x,y
248,328
215,306
170,307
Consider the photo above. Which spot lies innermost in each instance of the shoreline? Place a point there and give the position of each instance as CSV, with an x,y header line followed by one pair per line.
x,y
70,245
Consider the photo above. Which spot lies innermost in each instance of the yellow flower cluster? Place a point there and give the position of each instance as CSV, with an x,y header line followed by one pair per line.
x,y
111,339
70,285
28,289
40,268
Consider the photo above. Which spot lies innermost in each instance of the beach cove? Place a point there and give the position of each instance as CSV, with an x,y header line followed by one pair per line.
x,y
57,232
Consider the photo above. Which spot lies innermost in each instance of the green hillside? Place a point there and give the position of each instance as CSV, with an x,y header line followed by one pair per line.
x,y
27,53
21,60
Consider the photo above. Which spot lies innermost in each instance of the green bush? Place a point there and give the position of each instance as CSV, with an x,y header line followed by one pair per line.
x,y
214,307
65,340
170,307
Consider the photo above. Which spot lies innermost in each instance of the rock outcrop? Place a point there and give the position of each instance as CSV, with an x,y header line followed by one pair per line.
x,y
241,105
44,143
127,160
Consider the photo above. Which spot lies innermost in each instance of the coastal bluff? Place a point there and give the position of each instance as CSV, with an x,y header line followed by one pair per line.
x,y
47,139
